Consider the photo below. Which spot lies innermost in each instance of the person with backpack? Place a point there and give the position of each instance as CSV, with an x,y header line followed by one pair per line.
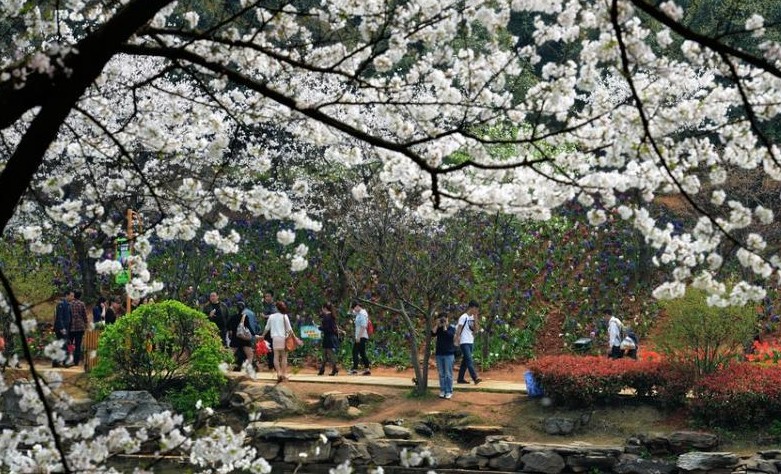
x,y
361,339
466,329
614,334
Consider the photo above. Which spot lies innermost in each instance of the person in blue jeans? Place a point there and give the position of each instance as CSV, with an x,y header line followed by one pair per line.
x,y
465,337
445,354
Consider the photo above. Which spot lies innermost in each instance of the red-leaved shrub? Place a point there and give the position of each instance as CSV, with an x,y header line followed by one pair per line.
x,y
586,380
741,394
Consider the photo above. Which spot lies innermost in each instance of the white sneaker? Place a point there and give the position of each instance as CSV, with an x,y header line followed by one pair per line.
x,y
449,396
441,394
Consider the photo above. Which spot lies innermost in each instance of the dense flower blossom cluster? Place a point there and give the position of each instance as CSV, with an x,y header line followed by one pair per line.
x,y
182,117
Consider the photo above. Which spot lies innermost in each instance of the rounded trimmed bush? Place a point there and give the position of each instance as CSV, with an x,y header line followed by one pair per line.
x,y
167,349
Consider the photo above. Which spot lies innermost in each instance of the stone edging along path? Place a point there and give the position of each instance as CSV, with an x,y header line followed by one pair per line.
x,y
372,444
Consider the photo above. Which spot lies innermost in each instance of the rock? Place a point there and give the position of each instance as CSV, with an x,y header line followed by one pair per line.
x,y
684,441
353,451
495,438
506,462
585,462
257,397
472,433
270,410
266,450
699,461
335,402
365,396
275,431
423,430
79,410
353,412
444,457
364,431
128,407
645,466
495,448
758,464
655,443
558,426
546,462
397,432
239,399
306,452
471,460
383,452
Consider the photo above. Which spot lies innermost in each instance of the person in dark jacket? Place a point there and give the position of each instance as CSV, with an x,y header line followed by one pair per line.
x,y
217,313
244,348
99,310
330,336
445,354
79,324
62,324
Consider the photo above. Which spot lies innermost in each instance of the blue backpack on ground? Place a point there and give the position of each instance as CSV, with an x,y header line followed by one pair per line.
x,y
533,389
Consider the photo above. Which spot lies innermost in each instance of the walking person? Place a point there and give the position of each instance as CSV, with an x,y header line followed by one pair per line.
x,y
269,308
62,324
465,338
241,340
79,324
614,338
445,355
278,327
361,339
330,337
218,314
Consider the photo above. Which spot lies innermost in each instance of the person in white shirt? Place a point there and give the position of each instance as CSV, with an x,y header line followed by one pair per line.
x,y
361,339
278,326
614,335
465,339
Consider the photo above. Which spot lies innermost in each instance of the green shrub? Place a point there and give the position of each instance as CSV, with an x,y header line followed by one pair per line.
x,y
709,337
167,349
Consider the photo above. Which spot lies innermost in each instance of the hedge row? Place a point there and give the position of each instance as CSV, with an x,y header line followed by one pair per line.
x,y
739,394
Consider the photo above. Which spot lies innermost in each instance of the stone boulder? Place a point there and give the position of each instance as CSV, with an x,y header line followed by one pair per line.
x,y
335,402
397,432
546,462
364,431
645,466
507,461
699,461
127,407
383,452
353,451
684,441
75,411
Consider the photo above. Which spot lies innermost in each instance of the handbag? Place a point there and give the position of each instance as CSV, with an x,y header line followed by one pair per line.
x,y
290,343
242,332
261,348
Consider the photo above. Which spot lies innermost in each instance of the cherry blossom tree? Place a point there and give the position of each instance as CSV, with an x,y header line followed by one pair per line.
x,y
151,104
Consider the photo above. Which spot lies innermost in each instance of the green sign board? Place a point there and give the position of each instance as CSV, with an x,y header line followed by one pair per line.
x,y
122,277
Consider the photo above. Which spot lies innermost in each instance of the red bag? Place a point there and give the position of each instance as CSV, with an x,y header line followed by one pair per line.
x,y
370,328
2,343
71,348
261,348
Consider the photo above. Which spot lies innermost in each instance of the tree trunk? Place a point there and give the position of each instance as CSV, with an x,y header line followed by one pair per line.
x,y
89,276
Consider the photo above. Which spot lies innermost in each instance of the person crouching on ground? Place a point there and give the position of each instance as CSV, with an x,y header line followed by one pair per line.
x,y
278,326
445,354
